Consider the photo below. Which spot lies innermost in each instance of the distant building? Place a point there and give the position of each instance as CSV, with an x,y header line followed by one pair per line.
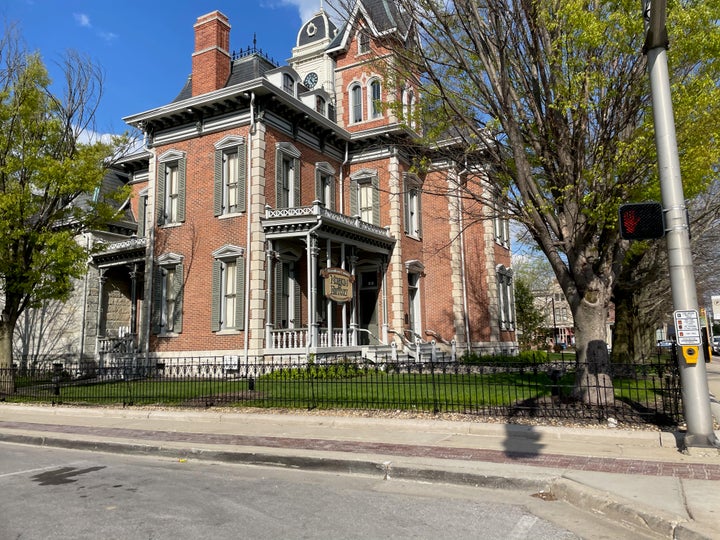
x,y
278,213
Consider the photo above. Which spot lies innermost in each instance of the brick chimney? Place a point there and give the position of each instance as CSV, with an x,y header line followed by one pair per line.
x,y
211,59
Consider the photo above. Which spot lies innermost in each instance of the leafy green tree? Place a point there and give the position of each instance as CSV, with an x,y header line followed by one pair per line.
x,y
551,99
47,181
529,318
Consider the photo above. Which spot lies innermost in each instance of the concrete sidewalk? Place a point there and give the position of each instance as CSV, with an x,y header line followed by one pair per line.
x,y
639,478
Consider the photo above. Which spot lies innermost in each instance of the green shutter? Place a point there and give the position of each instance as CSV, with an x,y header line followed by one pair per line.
x,y
157,301
297,193
218,187
297,315
406,205
280,285
354,210
419,212
160,199
242,177
216,300
240,293
182,165
376,201
278,179
178,288
319,186
331,204
142,211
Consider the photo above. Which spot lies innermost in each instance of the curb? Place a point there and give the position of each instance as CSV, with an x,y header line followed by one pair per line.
x,y
336,463
631,514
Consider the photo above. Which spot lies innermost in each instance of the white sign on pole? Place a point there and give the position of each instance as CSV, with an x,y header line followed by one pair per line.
x,y
687,327
715,307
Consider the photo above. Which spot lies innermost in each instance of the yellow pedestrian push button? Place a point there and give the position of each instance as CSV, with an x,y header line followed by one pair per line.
x,y
690,354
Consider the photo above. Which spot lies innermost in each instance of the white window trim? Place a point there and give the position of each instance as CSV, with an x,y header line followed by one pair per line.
x,y
353,102
372,114
167,261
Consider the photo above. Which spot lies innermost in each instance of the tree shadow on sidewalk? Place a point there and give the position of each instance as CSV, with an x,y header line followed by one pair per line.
x,y
521,441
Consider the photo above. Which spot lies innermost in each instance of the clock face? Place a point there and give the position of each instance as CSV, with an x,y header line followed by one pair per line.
x,y
311,80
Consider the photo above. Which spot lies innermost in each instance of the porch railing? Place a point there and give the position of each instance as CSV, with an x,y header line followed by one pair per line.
x,y
299,338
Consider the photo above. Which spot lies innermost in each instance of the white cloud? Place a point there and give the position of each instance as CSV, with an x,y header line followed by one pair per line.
x,y
82,19
108,36
306,8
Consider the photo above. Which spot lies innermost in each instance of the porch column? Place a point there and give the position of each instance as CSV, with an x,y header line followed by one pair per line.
x,y
270,258
133,301
329,304
383,268
101,287
344,305
354,306
313,253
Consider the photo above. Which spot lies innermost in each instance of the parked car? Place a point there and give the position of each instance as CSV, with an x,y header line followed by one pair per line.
x,y
716,344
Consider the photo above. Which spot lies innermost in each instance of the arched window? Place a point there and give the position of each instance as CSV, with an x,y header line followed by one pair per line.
x,y
409,107
356,114
375,99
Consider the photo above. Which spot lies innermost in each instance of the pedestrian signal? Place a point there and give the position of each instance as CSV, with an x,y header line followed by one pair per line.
x,y
642,221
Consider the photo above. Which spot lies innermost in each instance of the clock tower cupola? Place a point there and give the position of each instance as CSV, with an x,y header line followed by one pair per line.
x,y
315,67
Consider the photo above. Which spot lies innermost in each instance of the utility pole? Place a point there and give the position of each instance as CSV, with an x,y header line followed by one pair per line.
x,y
693,375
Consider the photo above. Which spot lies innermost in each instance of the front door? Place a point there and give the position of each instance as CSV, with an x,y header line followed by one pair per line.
x,y
367,299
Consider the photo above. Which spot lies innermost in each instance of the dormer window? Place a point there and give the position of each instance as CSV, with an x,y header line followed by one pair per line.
x,y
320,105
288,84
363,41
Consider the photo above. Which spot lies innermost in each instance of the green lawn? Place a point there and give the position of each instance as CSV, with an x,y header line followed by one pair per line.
x,y
354,388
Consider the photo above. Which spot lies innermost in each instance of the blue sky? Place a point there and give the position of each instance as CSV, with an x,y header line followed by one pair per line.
x,y
145,47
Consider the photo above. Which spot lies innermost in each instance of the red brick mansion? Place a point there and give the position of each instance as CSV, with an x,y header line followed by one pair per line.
x,y
279,213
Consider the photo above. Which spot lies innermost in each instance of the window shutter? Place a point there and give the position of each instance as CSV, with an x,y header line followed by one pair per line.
x,y
182,163
216,301
419,212
218,187
280,286
242,177
142,212
178,289
331,204
319,188
376,201
278,180
157,298
354,210
240,294
161,182
406,204
297,315
296,183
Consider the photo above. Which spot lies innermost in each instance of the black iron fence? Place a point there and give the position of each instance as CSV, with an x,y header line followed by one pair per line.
x,y
507,387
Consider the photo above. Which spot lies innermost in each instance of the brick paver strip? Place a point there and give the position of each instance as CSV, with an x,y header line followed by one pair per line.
x,y
696,471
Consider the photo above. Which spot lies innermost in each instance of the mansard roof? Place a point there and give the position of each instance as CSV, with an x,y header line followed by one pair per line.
x,y
318,28
246,66
383,17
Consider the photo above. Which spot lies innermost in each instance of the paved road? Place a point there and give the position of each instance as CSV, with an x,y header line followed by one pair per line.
x,y
48,493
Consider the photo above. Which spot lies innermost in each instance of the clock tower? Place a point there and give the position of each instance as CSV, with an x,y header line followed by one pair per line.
x,y
316,69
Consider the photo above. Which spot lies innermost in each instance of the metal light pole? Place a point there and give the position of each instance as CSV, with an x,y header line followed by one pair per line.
x,y
693,376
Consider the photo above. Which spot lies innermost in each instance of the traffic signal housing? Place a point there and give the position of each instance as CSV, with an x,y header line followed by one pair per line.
x,y
642,221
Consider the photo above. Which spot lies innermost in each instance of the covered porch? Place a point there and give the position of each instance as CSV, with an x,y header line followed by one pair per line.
x,y
326,281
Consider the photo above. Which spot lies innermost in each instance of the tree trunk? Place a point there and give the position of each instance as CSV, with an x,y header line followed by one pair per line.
x,y
623,344
7,378
593,383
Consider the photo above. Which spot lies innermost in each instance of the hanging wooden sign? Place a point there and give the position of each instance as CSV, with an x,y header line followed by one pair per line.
x,y
338,284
